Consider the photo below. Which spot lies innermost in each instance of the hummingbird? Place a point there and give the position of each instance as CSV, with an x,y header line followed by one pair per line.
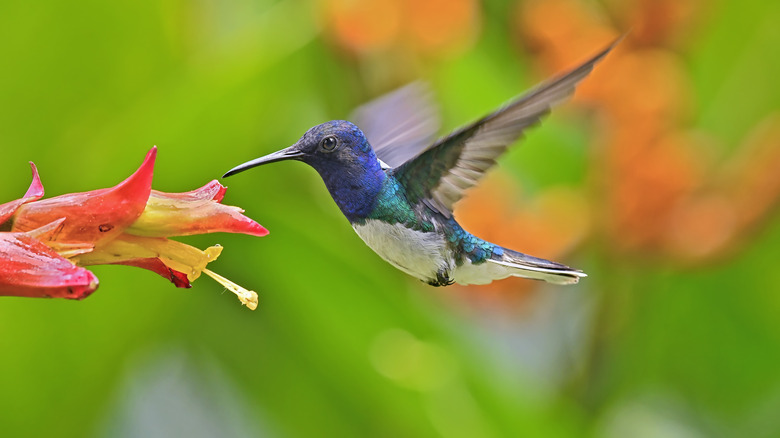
x,y
397,185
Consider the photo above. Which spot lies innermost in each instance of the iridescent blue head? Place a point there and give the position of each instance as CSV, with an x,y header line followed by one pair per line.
x,y
340,152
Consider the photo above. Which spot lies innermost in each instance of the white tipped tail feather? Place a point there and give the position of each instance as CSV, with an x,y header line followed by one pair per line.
x,y
521,265
515,264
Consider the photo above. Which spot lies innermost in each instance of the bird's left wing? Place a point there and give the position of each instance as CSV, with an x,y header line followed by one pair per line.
x,y
440,175
400,124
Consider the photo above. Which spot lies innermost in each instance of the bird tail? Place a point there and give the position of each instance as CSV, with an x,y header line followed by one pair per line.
x,y
517,264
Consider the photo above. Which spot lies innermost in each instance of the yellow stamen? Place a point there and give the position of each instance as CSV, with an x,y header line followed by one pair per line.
x,y
247,297
175,255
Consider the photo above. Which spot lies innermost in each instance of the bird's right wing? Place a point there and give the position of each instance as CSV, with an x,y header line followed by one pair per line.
x,y
441,174
400,124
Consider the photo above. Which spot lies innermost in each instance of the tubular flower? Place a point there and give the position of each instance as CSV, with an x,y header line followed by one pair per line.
x,y
29,268
50,240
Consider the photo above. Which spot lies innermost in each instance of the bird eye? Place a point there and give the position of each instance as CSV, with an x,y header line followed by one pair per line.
x,y
329,143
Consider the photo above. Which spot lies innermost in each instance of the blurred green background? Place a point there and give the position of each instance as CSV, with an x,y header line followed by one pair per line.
x,y
664,168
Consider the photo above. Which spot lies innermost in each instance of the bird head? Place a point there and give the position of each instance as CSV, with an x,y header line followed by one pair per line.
x,y
332,147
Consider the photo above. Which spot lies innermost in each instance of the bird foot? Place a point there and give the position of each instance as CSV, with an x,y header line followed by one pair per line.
x,y
442,279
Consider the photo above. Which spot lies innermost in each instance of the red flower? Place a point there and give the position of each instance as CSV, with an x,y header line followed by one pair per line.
x,y
29,268
128,224
34,193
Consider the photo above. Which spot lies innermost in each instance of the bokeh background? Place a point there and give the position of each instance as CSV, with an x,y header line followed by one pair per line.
x,y
660,179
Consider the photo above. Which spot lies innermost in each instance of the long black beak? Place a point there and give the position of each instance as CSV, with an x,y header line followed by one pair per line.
x,y
290,153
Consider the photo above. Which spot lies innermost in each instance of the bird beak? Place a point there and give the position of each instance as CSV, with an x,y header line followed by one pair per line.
x,y
290,153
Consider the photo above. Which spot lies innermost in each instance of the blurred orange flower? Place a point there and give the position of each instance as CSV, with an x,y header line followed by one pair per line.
x,y
425,26
663,191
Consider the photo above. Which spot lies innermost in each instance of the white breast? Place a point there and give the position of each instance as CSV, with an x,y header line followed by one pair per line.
x,y
418,254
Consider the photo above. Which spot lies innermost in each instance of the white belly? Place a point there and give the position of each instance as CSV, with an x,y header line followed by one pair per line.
x,y
424,255
419,254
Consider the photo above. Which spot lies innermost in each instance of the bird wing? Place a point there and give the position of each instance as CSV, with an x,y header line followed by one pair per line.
x,y
439,175
399,125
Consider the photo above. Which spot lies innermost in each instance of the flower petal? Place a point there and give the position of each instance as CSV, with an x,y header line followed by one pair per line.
x,y
95,216
195,212
179,279
34,193
47,234
28,268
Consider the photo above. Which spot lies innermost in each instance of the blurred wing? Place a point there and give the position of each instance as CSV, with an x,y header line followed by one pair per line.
x,y
441,174
399,125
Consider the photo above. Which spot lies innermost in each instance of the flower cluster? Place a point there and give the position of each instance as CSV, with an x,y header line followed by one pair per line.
x,y
46,242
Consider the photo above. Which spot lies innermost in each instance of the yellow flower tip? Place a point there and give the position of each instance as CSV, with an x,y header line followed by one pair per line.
x,y
247,297
250,301
213,252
